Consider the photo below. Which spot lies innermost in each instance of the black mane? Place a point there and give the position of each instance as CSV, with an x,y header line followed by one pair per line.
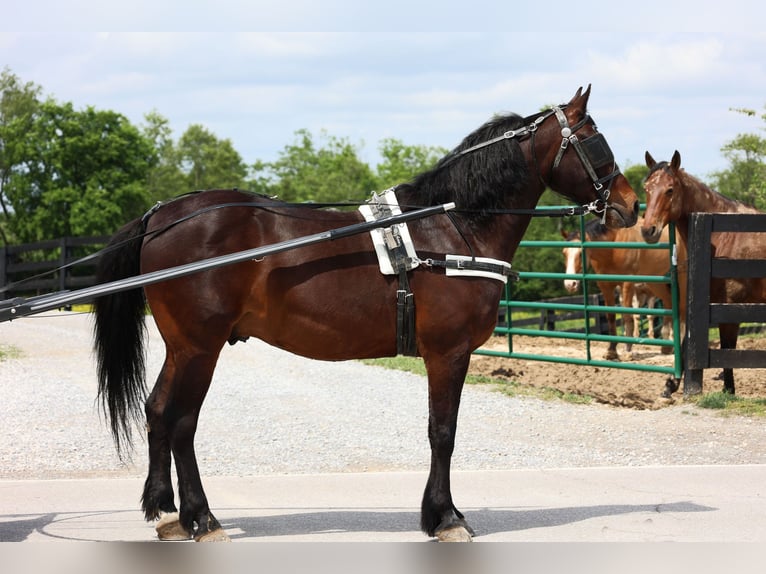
x,y
595,229
657,167
488,178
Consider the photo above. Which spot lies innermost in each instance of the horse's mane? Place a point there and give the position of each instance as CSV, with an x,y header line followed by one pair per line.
x,y
479,181
727,204
595,229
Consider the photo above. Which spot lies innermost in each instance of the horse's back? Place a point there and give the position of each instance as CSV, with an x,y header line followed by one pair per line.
x,y
310,299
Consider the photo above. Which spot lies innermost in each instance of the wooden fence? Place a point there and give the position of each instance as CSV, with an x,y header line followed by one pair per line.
x,y
701,314
37,268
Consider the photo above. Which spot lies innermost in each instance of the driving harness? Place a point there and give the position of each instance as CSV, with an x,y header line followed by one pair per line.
x,y
396,252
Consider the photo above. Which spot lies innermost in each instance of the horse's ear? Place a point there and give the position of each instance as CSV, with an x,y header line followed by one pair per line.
x,y
675,163
580,98
564,234
650,163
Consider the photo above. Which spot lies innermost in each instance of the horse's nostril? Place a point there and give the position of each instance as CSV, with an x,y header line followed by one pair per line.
x,y
636,207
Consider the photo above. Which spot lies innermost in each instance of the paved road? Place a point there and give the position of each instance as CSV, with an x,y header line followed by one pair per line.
x,y
637,504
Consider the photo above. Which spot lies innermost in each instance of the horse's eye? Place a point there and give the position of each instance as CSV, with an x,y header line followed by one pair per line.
x,y
669,191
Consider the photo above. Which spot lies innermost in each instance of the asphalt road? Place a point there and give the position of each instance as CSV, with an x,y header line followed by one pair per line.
x,y
636,504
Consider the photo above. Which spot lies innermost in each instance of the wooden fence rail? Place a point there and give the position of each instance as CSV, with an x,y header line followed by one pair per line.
x,y
37,268
701,314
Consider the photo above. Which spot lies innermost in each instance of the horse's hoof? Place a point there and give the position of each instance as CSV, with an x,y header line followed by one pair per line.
x,y
454,534
218,535
611,356
627,357
667,350
671,386
169,528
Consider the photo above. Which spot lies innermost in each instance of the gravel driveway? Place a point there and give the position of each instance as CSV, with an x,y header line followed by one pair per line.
x,y
270,412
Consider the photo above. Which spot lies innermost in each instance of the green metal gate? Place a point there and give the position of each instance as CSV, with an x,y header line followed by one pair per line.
x,y
507,305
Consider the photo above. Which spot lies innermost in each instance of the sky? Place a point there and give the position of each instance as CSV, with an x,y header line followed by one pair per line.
x,y
664,75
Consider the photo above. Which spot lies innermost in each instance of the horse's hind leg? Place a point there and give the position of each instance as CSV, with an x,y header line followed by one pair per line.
x,y
627,294
172,412
439,516
158,498
607,290
729,333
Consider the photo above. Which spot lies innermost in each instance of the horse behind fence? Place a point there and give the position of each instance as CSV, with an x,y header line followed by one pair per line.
x,y
621,261
672,195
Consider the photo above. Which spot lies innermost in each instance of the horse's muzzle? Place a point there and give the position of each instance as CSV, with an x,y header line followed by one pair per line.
x,y
651,233
620,216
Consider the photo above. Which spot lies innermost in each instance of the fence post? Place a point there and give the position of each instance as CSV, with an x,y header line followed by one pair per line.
x,y
63,243
697,342
4,268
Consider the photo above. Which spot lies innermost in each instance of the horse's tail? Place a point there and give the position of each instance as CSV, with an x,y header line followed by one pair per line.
x,y
119,334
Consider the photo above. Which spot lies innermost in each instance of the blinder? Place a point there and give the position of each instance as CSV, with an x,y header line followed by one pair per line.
x,y
594,153
597,151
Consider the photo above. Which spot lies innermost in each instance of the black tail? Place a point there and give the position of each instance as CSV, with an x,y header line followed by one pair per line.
x,y
119,336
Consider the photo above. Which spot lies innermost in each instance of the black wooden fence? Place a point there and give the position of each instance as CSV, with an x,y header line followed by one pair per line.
x,y
701,314
37,268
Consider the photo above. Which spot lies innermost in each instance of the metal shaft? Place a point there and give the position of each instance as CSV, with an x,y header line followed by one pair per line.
x,y
21,307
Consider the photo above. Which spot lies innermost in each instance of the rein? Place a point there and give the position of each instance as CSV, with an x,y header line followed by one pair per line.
x,y
592,151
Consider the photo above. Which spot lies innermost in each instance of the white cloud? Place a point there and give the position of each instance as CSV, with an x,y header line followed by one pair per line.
x,y
651,65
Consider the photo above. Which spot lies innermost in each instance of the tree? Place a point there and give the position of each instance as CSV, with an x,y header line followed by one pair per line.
x,y
636,174
745,180
77,173
403,162
19,103
208,162
304,172
165,178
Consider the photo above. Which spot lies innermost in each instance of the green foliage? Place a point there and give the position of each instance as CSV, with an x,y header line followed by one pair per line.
x,y
305,171
18,104
501,384
745,180
731,404
401,162
209,163
165,179
76,172
636,175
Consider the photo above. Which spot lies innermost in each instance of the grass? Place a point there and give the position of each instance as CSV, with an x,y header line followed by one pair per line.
x,y
9,352
505,386
730,404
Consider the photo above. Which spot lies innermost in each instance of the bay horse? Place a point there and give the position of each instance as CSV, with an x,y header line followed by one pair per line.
x,y
620,261
330,301
672,194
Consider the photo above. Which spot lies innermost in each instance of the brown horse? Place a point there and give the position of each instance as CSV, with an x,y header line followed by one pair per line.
x,y
620,261
330,301
672,195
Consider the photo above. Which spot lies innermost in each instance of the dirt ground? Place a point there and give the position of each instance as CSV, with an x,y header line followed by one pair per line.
x,y
618,387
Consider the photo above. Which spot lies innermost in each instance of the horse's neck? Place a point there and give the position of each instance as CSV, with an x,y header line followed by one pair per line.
x,y
699,198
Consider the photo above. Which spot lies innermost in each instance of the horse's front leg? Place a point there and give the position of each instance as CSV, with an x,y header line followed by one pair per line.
x,y
439,516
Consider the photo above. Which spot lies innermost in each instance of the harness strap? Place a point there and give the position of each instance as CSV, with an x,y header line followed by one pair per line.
x,y
472,264
406,343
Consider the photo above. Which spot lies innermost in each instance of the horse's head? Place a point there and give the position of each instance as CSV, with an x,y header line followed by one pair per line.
x,y
575,160
572,260
662,204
